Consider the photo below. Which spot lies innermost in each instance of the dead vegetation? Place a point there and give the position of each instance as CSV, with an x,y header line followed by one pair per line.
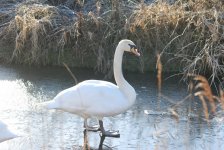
x,y
198,87
33,30
204,93
43,34
82,33
189,32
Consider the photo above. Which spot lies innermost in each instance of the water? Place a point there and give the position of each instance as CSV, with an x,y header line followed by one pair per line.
x,y
147,125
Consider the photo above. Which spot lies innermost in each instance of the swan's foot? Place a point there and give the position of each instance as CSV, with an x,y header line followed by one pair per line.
x,y
109,133
94,128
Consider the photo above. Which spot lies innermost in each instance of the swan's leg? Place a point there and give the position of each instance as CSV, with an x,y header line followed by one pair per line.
x,y
109,133
89,128
102,138
85,142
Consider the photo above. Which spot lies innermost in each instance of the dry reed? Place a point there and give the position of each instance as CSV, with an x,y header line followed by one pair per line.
x,y
159,73
204,92
187,32
34,25
174,114
205,107
70,72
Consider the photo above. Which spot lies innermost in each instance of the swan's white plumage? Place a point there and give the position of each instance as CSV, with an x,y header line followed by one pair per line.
x,y
92,98
97,98
5,133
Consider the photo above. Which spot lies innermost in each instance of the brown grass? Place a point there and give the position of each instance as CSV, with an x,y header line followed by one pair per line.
x,y
204,92
205,107
188,33
33,33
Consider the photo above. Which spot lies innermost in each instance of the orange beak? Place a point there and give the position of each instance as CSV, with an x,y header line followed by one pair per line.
x,y
135,51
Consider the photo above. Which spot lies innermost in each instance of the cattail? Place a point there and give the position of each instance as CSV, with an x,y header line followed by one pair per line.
x,y
159,73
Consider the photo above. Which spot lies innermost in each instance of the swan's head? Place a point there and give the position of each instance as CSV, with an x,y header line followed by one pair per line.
x,y
129,46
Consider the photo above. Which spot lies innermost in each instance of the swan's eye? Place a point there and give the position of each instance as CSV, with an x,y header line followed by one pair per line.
x,y
132,46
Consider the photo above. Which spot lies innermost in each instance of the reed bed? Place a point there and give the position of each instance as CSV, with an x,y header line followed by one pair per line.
x,y
187,34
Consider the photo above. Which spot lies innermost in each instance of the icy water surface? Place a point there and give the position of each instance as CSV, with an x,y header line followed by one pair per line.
x,y
147,125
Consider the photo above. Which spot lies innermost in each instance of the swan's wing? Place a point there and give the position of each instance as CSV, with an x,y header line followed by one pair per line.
x,y
92,97
98,91
67,100
102,98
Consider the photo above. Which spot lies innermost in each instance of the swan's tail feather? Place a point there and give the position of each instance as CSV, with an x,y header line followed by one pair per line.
x,y
9,135
50,104
12,135
6,134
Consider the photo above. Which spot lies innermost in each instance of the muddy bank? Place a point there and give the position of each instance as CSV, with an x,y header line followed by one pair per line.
x,y
188,35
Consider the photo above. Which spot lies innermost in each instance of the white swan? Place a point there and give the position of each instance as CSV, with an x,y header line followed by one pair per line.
x,y
96,98
5,133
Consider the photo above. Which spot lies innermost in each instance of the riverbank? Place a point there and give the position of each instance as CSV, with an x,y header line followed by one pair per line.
x,y
188,35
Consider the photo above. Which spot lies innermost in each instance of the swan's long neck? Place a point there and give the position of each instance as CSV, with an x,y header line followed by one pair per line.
x,y
123,85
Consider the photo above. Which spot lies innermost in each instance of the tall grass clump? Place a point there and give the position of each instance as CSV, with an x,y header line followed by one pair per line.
x,y
38,30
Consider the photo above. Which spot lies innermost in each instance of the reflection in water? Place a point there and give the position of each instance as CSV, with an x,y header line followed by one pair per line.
x,y
87,146
22,89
